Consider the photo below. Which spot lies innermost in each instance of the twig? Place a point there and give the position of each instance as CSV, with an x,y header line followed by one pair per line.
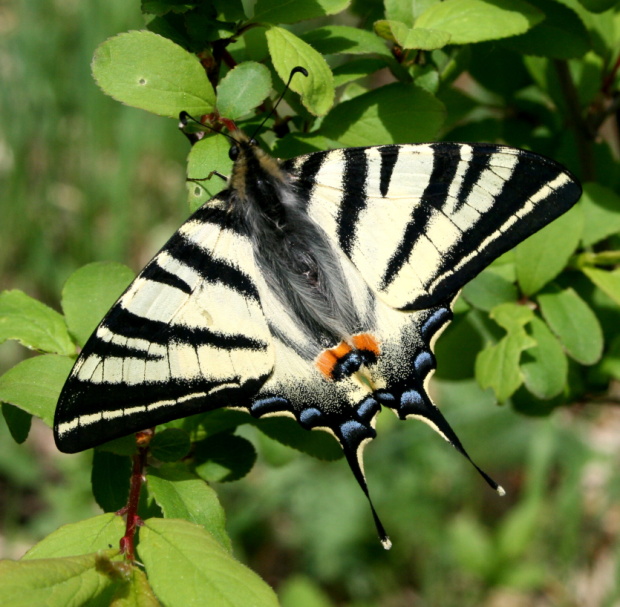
x,y
131,509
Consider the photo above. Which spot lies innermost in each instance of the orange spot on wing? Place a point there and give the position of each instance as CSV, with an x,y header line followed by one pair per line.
x,y
366,342
328,359
342,349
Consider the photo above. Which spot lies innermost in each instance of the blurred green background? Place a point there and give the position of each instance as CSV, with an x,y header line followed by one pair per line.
x,y
84,179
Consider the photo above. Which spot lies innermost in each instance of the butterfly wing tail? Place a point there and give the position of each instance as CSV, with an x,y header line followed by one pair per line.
x,y
415,404
353,437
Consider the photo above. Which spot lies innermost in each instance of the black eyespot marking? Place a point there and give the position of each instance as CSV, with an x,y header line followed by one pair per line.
x,y
233,153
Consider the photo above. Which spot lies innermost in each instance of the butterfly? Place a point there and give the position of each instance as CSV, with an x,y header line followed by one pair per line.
x,y
314,288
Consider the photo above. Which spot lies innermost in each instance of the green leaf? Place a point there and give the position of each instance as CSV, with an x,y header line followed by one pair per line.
x,y
601,213
477,20
174,550
544,366
574,323
608,282
525,403
356,69
412,38
394,31
34,384
90,292
512,317
561,35
395,113
67,581
458,347
153,73
223,420
287,52
18,422
598,6
296,144
497,366
300,590
208,155
33,324
488,290
224,457
137,592
170,445
181,494
90,535
242,89
407,12
110,478
288,432
291,11
610,364
230,10
544,255
334,39
426,39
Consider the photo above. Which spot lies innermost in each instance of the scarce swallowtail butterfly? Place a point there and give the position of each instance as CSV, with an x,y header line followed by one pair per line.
x,y
314,288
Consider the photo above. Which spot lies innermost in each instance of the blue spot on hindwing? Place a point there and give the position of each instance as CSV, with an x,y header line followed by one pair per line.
x,y
434,322
271,404
368,408
354,432
423,363
348,365
385,398
311,417
411,402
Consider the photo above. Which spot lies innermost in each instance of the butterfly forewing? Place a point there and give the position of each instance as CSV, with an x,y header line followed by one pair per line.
x,y
420,221
188,335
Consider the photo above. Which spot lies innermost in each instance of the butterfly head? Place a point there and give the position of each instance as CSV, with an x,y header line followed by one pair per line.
x,y
255,173
241,142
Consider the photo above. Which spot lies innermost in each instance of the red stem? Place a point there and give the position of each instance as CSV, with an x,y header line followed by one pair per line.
x,y
131,509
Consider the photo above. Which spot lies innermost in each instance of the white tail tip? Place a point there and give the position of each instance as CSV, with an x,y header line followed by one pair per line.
x,y
501,490
386,543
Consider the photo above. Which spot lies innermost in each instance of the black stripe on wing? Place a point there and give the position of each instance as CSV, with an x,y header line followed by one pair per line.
x,y
104,348
530,173
216,215
353,195
210,269
389,156
156,273
125,323
304,174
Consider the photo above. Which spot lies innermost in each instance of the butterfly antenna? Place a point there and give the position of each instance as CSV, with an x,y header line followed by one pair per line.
x,y
185,119
295,70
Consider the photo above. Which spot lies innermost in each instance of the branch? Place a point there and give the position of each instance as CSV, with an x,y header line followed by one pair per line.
x,y
583,137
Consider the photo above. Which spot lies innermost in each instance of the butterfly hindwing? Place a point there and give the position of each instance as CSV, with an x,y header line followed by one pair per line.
x,y
188,335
